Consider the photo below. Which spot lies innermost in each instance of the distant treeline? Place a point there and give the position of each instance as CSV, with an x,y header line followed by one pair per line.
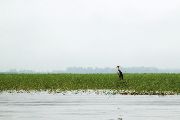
x,y
100,70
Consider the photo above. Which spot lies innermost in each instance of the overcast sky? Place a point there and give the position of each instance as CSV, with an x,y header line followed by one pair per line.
x,y
56,34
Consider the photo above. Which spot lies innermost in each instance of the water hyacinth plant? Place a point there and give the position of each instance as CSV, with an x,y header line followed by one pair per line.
x,y
136,84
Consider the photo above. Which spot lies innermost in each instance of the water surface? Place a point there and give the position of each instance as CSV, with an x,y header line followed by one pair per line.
x,y
45,106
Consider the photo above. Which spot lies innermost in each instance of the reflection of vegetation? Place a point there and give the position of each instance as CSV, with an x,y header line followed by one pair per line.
x,y
119,118
133,83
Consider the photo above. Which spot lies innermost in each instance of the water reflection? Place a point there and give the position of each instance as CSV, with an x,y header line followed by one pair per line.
x,y
37,106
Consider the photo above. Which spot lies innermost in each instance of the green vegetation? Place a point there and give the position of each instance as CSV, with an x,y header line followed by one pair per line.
x,y
132,84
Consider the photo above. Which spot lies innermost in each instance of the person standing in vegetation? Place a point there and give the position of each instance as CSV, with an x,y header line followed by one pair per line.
x,y
120,74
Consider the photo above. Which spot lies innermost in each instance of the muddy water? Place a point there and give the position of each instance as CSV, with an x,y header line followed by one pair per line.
x,y
44,106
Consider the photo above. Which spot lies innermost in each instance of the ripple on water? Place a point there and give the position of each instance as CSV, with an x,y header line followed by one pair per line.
x,y
37,106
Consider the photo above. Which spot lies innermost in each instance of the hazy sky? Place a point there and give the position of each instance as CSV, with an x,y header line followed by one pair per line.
x,y
55,34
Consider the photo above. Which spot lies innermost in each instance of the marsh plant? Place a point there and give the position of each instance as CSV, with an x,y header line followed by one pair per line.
x,y
132,83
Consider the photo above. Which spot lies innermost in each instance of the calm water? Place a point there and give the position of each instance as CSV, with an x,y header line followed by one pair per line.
x,y
44,106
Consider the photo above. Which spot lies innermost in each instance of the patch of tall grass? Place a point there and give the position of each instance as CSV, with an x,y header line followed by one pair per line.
x,y
140,83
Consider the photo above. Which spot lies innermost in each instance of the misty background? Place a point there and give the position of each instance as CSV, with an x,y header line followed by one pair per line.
x,y
61,35
89,70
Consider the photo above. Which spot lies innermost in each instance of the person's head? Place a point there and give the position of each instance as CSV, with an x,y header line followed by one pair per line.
x,y
117,66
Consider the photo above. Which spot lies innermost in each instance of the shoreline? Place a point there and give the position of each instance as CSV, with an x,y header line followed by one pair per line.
x,y
96,92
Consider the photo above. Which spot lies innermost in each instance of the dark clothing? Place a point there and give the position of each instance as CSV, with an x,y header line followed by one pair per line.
x,y
120,74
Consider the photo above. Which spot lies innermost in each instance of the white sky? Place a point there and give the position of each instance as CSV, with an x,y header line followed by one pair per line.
x,y
55,34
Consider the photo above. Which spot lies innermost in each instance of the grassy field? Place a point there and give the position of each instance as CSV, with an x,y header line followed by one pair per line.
x,y
132,84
